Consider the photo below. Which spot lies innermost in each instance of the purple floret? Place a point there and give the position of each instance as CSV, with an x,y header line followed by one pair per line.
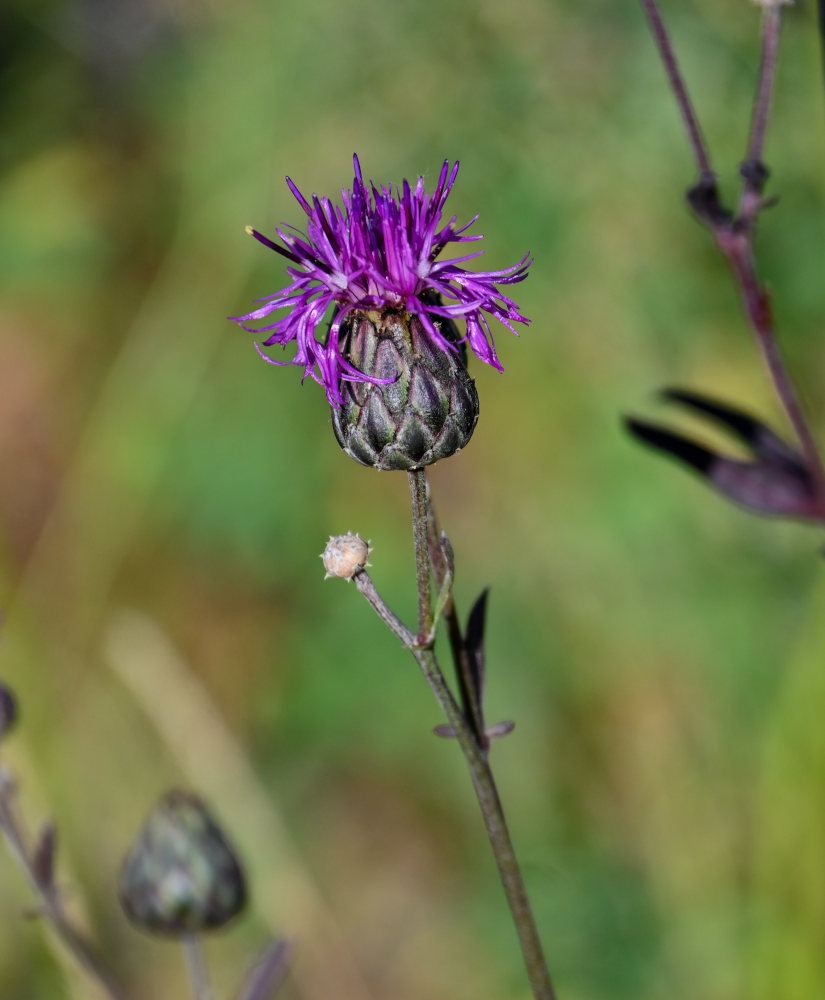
x,y
379,251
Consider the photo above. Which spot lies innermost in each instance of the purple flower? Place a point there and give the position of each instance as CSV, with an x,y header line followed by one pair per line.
x,y
378,251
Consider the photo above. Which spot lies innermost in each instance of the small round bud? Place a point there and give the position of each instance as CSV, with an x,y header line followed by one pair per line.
x,y
181,875
345,555
8,710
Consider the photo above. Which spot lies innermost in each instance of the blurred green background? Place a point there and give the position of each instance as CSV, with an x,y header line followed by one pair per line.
x,y
164,497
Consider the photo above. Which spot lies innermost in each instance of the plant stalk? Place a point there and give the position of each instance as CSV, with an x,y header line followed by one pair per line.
x,y
476,756
50,907
420,494
196,966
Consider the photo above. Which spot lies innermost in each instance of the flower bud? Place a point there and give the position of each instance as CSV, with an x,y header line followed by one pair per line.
x,y
345,555
426,412
181,876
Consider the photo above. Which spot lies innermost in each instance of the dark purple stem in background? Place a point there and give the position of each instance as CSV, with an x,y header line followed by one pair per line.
x,y
771,26
674,74
820,6
753,171
734,235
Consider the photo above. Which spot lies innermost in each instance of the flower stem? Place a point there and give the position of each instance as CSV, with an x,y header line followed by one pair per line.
x,y
363,581
677,83
196,965
737,248
476,756
50,905
420,494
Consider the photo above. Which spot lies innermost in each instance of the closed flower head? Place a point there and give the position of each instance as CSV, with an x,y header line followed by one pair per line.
x,y
373,311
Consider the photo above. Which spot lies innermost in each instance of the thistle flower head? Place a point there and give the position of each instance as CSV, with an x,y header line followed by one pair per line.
x,y
379,250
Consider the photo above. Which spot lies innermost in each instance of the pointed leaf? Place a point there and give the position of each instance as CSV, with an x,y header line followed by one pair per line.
x,y
675,445
778,489
475,644
447,551
267,974
764,443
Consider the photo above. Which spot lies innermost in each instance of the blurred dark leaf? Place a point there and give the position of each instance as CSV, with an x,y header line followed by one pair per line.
x,y
778,484
445,731
763,442
43,858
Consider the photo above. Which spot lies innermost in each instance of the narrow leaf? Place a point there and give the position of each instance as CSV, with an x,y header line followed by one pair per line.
x,y
675,445
266,976
475,644
43,857
772,488
764,443
447,551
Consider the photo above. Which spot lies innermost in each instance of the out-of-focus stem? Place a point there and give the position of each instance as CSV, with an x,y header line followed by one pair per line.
x,y
480,773
674,74
820,9
753,170
737,248
196,966
50,907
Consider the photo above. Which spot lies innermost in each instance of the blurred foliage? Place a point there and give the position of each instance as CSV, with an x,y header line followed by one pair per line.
x,y
661,652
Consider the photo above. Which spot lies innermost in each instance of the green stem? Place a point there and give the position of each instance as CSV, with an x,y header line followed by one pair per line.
x,y
419,492
480,772
470,701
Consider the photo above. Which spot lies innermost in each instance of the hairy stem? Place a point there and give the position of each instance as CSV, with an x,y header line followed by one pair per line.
x,y
419,493
480,772
363,581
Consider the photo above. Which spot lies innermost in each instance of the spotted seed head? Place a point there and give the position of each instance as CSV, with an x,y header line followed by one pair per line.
x,y
345,555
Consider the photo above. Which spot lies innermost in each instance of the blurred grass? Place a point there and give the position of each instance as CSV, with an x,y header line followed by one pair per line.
x,y
660,652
